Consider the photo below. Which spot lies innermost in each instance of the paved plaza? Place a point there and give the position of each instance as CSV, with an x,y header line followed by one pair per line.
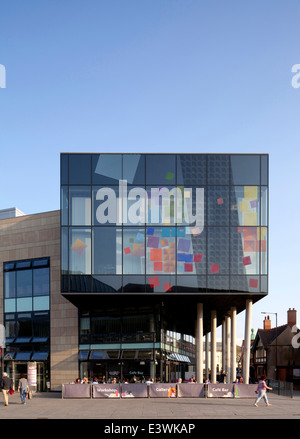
x,y
52,406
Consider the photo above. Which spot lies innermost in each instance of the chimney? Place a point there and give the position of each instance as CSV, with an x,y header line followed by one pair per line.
x,y
291,317
267,323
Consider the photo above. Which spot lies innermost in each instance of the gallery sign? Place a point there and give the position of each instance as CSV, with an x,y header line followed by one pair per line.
x,y
161,390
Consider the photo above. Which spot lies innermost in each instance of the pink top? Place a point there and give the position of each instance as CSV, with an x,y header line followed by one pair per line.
x,y
261,385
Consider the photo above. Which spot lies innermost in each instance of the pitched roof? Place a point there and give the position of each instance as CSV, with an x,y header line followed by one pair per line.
x,y
267,336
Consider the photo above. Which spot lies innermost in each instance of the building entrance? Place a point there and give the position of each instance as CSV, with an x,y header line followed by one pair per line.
x,y
131,371
17,368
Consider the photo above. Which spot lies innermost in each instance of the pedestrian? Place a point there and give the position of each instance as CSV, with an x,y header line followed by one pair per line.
x,y
23,388
262,391
222,376
6,386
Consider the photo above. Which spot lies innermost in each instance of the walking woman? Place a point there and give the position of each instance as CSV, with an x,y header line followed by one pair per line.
x,y
262,391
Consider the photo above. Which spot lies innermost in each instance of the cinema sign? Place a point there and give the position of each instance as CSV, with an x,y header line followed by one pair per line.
x,y
158,205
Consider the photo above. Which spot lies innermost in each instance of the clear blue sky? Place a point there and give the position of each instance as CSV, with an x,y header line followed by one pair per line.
x,y
155,76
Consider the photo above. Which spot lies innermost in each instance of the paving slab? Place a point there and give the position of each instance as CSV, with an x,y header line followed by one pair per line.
x,y
52,406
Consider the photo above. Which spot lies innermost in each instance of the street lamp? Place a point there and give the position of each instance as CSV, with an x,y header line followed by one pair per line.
x,y
276,339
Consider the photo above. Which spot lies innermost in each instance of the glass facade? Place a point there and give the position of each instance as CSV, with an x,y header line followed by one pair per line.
x,y
164,223
27,314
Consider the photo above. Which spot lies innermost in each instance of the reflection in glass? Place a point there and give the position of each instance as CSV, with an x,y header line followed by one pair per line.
x,y
217,283
218,169
192,210
160,250
218,205
10,284
64,250
244,284
163,203
218,250
134,205
191,251
264,170
160,169
41,281
80,283
245,169
64,172
79,169
64,207
104,284
244,250
80,251
160,283
264,249
41,303
24,283
245,201
24,304
80,205
107,206
191,169
134,168
133,284
9,305
264,284
107,250
133,250
264,206
191,284
107,168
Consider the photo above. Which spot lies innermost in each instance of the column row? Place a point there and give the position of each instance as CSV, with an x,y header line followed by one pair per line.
x,y
228,345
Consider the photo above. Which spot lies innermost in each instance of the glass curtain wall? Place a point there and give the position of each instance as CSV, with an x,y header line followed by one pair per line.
x,y
164,223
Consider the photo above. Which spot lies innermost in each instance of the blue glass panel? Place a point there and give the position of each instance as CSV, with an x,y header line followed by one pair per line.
x,y
245,169
107,168
160,169
79,169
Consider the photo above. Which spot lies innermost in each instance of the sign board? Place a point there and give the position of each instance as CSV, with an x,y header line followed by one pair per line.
x,y
245,390
106,390
138,390
190,390
32,374
159,390
76,391
220,390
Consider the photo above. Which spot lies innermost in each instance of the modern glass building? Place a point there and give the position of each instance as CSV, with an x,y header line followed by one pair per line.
x,y
157,250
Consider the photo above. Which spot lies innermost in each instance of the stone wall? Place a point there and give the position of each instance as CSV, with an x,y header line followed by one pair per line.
x,y
35,236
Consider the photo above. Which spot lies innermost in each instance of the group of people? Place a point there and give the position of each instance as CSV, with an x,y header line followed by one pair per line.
x,y
102,380
6,386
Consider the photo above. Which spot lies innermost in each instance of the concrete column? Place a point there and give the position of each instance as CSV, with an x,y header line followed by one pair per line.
x,y
199,343
152,363
233,343
213,345
247,338
206,356
227,361
223,345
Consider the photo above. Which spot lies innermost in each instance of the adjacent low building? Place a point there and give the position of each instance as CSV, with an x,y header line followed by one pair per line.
x,y
275,350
